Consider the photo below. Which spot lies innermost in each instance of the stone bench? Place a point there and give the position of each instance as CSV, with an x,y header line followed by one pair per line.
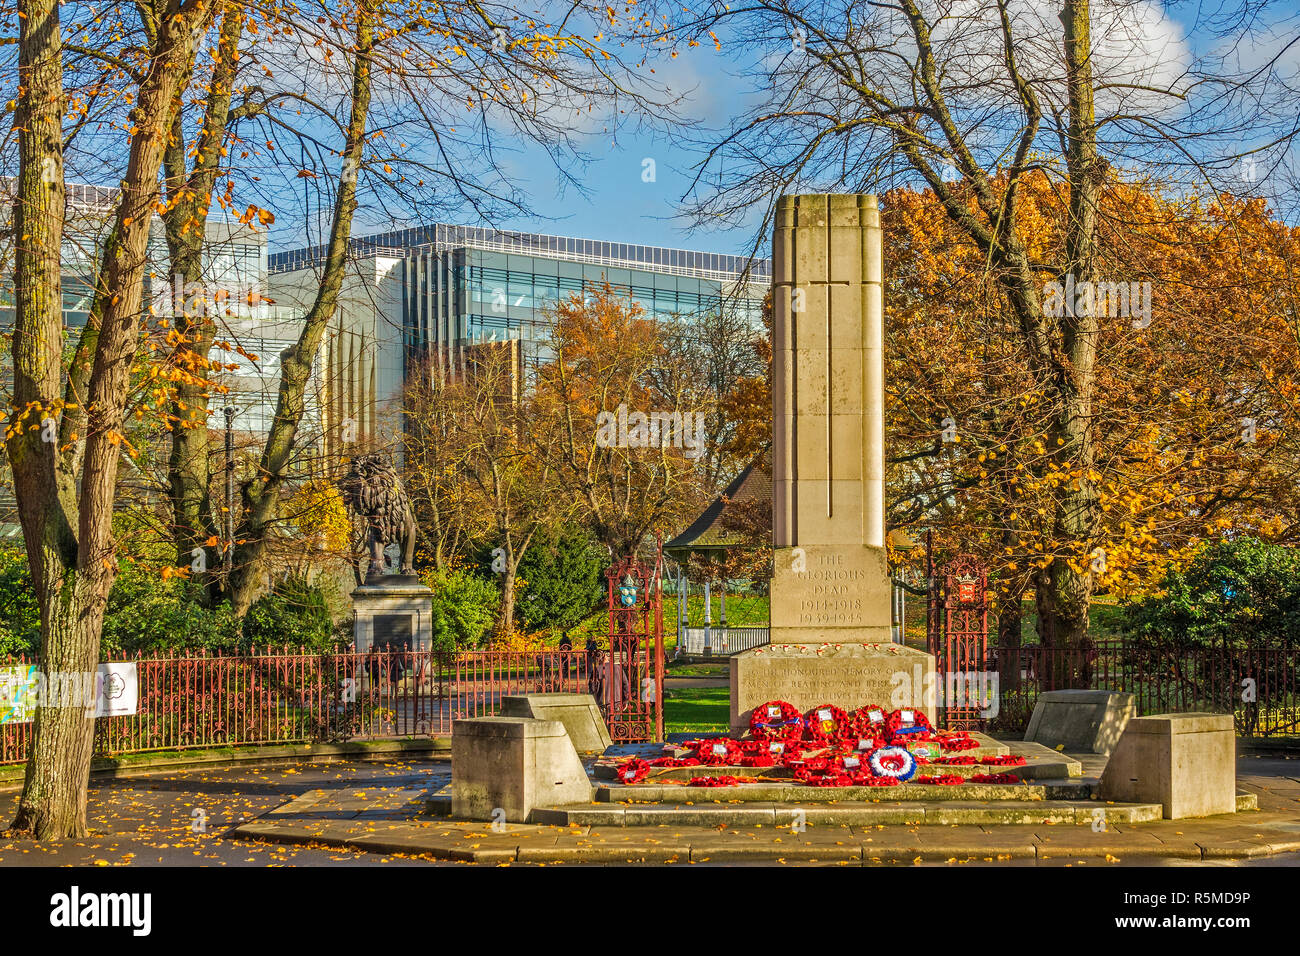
x,y
579,713
505,767
1080,721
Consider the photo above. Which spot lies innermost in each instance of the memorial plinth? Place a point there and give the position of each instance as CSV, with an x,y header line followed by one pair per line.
x,y
848,675
830,596
393,611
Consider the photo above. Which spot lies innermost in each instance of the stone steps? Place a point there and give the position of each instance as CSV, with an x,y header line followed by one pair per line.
x,y
860,813
1037,770
789,793
847,813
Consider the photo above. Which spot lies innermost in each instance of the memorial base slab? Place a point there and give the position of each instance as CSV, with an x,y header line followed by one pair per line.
x,y
846,675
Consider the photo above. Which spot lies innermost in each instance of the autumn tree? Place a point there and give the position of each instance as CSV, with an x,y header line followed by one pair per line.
x,y
63,435
1195,419
714,353
972,100
486,456
626,472
442,515
398,107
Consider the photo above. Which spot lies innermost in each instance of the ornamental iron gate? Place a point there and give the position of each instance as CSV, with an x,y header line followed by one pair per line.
x,y
630,684
957,634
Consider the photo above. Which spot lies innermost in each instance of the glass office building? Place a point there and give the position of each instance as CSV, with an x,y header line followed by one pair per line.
x,y
463,285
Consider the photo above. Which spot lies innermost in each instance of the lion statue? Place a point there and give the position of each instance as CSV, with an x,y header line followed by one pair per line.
x,y
373,491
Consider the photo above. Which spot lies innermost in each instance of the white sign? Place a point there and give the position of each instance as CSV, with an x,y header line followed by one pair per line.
x,y
876,717
824,714
907,715
119,690
719,750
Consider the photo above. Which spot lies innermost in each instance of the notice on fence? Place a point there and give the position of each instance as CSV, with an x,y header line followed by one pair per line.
x,y
116,691
119,690
17,694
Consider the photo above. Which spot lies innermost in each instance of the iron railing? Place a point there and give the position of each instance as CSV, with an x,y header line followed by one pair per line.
x,y
1260,687
284,695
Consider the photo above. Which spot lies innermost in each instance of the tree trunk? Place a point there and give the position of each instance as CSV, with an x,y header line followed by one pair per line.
x,y
53,802
186,219
73,570
1075,518
506,616
260,496
1011,618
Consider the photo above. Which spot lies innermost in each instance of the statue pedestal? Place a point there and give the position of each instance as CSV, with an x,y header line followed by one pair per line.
x,y
393,611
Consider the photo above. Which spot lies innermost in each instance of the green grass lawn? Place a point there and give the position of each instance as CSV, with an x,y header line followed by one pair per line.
x,y
697,710
682,669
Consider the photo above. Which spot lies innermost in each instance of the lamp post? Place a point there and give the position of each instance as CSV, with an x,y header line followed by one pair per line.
x,y
228,550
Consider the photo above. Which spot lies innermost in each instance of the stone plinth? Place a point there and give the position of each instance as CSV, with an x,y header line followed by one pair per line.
x,y
505,767
579,713
848,675
395,611
1185,762
1081,721
830,594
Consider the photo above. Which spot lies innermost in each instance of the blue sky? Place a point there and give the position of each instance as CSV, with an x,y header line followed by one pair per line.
x,y
620,205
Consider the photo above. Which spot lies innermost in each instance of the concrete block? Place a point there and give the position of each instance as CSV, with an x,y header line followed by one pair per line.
x,y
579,713
1084,721
1184,762
514,764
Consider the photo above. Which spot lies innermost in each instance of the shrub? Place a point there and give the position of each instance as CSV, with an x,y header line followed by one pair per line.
x,y
149,613
293,612
1240,593
464,608
563,575
20,617
146,613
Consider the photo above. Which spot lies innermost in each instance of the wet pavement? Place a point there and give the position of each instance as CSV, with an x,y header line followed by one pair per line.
x,y
185,818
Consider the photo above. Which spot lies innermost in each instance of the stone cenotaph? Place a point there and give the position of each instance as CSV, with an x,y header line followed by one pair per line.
x,y
830,598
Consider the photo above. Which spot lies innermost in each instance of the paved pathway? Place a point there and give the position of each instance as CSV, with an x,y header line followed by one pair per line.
x,y
151,820
366,813
398,820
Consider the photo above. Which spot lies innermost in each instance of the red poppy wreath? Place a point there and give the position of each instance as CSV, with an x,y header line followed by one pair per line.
x,y
777,719
906,721
715,751
825,722
633,771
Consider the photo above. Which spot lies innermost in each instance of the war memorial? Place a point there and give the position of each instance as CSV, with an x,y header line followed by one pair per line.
x,y
831,721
